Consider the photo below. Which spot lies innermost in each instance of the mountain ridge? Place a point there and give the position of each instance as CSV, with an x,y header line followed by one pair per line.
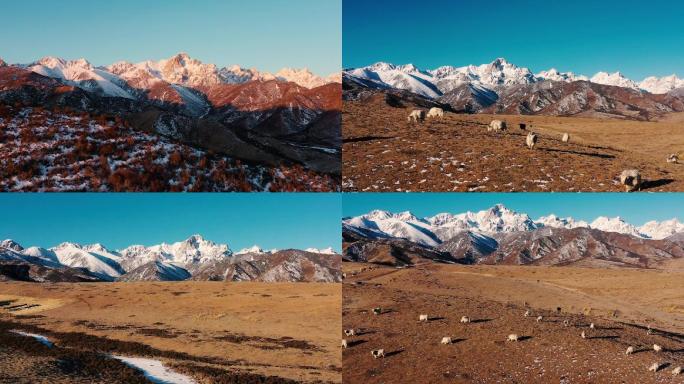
x,y
497,219
162,262
500,73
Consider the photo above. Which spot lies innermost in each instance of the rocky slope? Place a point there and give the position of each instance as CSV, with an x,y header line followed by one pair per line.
x,y
289,119
279,266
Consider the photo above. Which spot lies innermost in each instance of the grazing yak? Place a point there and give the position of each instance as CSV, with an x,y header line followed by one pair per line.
x,y
531,140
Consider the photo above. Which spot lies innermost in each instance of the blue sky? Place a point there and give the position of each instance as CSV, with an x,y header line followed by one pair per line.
x,y
638,38
636,208
280,220
266,34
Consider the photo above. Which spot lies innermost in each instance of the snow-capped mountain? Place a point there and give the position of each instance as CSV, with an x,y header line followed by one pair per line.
x,y
252,249
616,79
661,85
192,251
554,221
324,251
163,262
554,75
82,74
615,224
662,229
94,258
513,239
120,79
494,76
432,231
406,77
304,77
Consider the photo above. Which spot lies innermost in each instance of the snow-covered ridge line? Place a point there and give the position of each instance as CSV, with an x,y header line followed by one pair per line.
x,y
121,79
499,73
498,219
170,259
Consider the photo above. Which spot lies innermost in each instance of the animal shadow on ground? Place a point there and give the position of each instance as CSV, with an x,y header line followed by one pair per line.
x,y
604,337
365,332
481,321
354,343
431,319
611,328
366,138
523,338
456,341
398,351
599,155
648,184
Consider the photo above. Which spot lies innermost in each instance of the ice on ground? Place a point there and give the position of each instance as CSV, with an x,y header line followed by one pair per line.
x,y
42,339
155,371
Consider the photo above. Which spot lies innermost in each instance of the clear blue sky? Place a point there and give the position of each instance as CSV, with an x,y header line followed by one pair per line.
x,y
266,34
278,220
636,208
638,38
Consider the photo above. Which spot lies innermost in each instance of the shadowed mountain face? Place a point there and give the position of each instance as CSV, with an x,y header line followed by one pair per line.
x,y
270,122
543,246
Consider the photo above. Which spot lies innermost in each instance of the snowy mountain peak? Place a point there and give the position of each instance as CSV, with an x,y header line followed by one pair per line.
x,y
252,249
615,224
497,219
324,251
2,63
661,85
615,79
303,77
11,244
553,221
491,77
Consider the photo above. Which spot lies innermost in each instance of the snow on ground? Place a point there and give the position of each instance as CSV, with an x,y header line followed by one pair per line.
x,y
43,150
42,339
155,371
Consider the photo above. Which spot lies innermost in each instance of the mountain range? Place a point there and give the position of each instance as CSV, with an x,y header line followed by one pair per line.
x,y
502,236
290,117
503,87
194,258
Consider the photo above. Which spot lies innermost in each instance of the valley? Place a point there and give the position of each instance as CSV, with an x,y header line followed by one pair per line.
x,y
209,332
